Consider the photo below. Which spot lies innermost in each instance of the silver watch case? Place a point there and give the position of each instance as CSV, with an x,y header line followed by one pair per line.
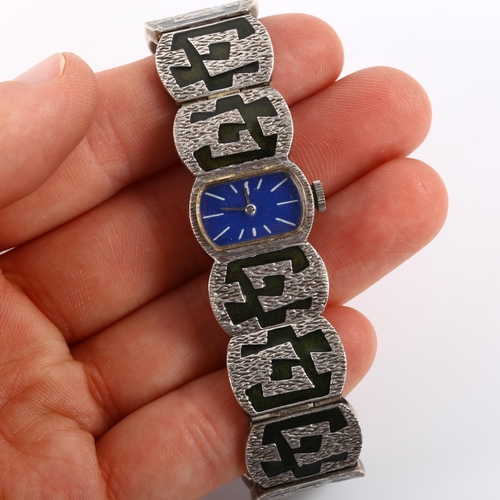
x,y
228,253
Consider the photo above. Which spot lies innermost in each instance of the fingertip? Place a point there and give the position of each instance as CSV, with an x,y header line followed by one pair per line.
x,y
417,105
396,110
81,83
45,113
438,198
43,72
406,101
423,196
308,54
359,340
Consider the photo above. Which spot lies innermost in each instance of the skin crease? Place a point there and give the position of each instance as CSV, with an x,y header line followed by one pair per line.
x,y
112,366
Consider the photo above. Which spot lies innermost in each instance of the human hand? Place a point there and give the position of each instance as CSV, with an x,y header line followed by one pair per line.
x,y
112,378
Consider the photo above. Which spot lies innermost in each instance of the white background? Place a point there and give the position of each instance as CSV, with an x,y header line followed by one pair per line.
x,y
430,406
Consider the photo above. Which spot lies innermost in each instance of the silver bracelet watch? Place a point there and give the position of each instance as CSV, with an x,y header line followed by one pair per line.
x,y
252,210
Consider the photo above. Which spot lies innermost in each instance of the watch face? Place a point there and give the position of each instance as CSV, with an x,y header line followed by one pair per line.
x,y
251,208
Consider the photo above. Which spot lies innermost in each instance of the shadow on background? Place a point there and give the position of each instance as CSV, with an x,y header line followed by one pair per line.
x,y
235,490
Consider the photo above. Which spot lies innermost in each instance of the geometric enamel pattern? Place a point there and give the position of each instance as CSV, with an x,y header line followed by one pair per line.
x,y
286,366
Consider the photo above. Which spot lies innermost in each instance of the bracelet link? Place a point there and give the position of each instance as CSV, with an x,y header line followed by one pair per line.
x,y
233,129
307,445
257,492
211,59
155,29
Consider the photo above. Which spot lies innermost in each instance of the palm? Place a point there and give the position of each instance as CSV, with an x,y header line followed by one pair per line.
x,y
112,378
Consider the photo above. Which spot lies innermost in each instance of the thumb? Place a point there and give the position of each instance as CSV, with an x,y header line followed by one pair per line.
x,y
45,113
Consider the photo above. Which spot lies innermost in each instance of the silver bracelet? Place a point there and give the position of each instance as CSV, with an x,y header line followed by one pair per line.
x,y
252,210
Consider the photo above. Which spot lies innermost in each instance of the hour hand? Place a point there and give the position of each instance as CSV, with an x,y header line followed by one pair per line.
x,y
233,208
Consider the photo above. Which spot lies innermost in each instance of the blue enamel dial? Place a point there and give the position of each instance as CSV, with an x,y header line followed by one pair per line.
x,y
251,208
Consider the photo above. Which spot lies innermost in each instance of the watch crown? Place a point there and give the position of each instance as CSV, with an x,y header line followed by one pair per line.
x,y
319,196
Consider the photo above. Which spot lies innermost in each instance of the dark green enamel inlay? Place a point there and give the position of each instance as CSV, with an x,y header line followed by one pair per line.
x,y
229,132
185,76
273,286
308,444
314,341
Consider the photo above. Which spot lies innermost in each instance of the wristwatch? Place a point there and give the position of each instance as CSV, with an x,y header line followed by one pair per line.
x,y
252,210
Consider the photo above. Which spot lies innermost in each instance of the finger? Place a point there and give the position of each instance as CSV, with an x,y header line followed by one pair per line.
x,y
126,362
377,223
364,120
45,112
154,450
188,443
47,414
131,137
303,43
102,245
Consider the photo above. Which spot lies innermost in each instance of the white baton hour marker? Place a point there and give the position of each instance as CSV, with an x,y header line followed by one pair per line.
x,y
285,221
215,196
259,184
287,202
233,188
279,184
267,229
220,234
241,234
210,216
254,232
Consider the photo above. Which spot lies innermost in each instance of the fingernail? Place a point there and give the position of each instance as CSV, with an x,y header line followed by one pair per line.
x,y
44,71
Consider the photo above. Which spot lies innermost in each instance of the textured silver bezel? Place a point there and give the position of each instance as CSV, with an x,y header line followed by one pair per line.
x,y
154,29
259,493
225,254
310,283
348,439
254,48
191,137
245,372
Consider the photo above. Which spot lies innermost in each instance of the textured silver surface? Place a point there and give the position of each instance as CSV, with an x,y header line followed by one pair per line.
x,y
312,283
253,247
154,29
319,196
347,439
248,371
255,48
259,493
190,137
220,59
